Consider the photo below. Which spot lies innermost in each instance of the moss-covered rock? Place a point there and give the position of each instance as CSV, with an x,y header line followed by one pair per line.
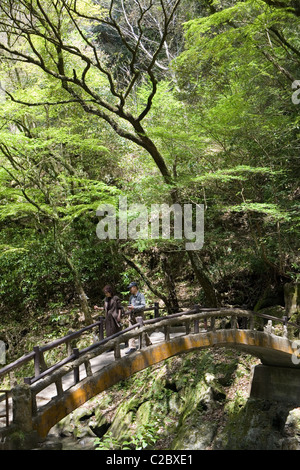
x,y
197,435
143,415
120,427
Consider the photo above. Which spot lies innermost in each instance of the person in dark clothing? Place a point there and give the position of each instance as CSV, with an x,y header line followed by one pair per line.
x,y
113,311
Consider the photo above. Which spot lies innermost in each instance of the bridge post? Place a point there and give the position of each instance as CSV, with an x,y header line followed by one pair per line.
x,y
117,351
167,332
101,328
59,387
156,309
21,434
39,362
269,328
70,344
88,368
140,321
76,369
22,407
196,322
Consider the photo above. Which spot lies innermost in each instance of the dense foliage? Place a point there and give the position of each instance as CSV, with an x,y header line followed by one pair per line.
x,y
179,101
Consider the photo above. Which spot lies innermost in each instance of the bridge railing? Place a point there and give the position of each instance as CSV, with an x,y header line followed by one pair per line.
x,y
84,356
38,353
180,317
191,319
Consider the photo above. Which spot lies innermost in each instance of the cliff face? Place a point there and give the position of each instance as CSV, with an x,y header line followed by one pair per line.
x,y
196,401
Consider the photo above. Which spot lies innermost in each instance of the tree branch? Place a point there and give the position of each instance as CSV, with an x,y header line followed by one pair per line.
x,y
279,67
42,24
43,103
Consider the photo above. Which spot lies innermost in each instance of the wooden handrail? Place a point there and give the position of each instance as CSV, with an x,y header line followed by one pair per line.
x,y
72,356
68,337
148,326
71,364
101,346
47,347
103,343
211,312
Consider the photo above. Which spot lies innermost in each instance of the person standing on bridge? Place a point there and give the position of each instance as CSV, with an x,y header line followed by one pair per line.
x,y
113,311
136,307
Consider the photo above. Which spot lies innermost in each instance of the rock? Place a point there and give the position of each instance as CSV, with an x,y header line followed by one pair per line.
x,y
197,436
81,419
269,297
292,426
226,374
291,443
195,431
259,425
65,428
175,403
201,402
83,430
99,425
86,443
277,311
143,414
51,443
123,418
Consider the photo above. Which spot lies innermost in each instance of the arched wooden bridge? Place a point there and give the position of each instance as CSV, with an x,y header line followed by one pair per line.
x,y
58,390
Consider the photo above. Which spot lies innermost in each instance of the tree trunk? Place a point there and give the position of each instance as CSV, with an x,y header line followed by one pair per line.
x,y
211,298
77,281
210,294
170,284
80,292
